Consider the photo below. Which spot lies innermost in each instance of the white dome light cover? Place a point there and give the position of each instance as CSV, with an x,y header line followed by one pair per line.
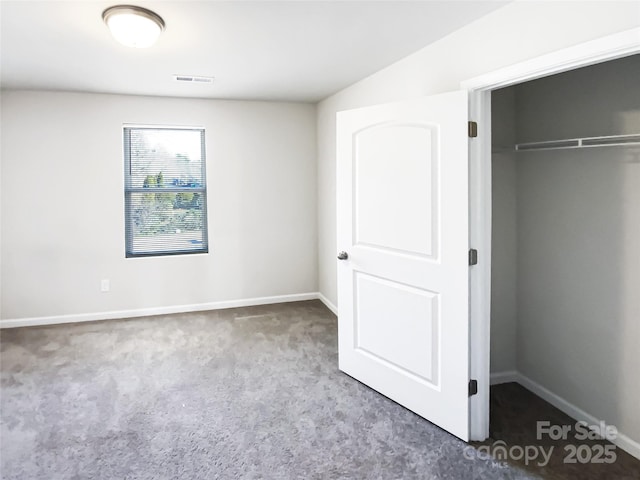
x,y
133,26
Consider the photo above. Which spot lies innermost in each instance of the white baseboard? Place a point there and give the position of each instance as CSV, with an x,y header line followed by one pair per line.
x,y
503,377
145,312
622,441
328,303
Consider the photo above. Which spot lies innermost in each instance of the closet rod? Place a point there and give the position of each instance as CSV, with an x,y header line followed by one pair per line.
x,y
586,142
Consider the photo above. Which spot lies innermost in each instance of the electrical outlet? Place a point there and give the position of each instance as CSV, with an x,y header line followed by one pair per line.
x,y
105,285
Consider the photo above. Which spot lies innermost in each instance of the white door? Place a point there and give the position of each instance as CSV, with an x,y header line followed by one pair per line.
x,y
402,193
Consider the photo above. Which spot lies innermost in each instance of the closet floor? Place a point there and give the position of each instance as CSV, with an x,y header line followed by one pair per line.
x,y
515,412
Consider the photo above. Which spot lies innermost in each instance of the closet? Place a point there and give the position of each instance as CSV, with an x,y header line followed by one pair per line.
x,y
565,304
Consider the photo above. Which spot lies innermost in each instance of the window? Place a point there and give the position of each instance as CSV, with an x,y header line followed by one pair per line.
x,y
165,191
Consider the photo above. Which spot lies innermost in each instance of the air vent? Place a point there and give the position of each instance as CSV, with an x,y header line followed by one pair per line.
x,y
192,79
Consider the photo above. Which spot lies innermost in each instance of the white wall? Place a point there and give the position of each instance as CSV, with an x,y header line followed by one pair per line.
x,y
578,326
504,232
514,33
63,207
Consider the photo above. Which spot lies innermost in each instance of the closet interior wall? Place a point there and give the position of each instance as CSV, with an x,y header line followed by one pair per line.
x,y
566,240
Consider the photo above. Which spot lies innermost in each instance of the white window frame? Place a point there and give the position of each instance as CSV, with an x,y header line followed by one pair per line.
x,y
129,189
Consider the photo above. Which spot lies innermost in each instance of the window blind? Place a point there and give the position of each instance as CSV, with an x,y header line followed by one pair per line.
x,y
165,191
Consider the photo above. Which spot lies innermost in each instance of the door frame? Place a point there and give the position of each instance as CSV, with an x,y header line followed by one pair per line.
x,y
479,88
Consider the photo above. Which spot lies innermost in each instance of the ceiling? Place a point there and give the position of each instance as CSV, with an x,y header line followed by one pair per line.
x,y
268,50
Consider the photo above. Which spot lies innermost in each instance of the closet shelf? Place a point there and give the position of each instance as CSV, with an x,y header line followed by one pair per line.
x,y
586,142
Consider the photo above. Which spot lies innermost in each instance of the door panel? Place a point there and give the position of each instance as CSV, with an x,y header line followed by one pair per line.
x,y
407,187
403,219
410,342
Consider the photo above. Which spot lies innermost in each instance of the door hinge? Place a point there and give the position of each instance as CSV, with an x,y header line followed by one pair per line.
x,y
473,129
473,387
473,256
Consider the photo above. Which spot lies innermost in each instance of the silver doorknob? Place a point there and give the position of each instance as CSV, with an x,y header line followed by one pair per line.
x,y
343,256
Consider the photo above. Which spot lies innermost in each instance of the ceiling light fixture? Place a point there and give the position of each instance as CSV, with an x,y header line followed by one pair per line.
x,y
133,26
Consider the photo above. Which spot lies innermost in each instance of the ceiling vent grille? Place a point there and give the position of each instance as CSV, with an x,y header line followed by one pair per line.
x,y
192,79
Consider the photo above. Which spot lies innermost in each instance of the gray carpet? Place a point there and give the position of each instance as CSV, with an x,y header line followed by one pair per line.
x,y
242,393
